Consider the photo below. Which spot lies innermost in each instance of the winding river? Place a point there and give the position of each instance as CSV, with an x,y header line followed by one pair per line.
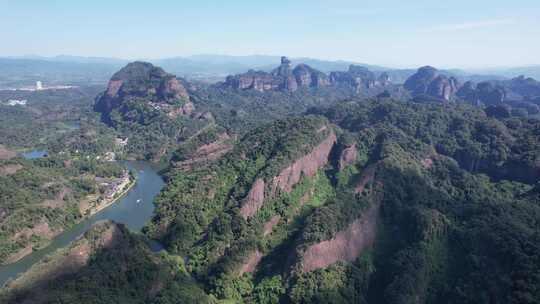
x,y
133,210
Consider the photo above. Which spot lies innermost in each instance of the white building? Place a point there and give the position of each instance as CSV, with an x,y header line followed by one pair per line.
x,y
15,102
39,86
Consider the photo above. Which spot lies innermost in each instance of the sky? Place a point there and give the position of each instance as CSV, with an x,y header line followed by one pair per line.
x,y
395,33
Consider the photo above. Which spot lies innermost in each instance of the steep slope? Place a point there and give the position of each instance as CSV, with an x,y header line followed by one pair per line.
x,y
282,78
151,108
428,81
107,264
357,79
363,201
374,210
360,79
43,197
141,80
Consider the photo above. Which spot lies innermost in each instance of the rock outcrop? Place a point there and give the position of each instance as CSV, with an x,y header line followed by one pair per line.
x,y
443,87
305,166
367,177
348,156
306,76
254,200
428,81
525,87
485,93
288,177
346,245
251,264
269,225
206,153
359,78
6,154
141,80
283,78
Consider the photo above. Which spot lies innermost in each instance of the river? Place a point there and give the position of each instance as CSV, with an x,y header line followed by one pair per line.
x,y
134,210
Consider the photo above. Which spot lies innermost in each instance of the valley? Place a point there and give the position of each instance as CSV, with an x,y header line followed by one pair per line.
x,y
285,185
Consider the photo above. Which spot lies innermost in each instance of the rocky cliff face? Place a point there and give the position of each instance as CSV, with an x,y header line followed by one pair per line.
x,y
443,87
359,78
254,200
305,166
346,245
253,80
141,80
205,153
348,156
485,93
283,78
306,76
525,87
288,177
428,81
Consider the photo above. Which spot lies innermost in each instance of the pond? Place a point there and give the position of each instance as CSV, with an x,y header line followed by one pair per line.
x,y
34,154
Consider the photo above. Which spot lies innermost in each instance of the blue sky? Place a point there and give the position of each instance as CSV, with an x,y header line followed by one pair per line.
x,y
458,33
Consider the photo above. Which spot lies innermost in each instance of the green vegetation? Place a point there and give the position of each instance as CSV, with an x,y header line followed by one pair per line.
x,y
455,191
47,116
134,273
444,178
42,197
152,133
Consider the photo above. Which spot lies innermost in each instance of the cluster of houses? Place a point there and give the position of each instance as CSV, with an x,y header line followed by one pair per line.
x,y
15,102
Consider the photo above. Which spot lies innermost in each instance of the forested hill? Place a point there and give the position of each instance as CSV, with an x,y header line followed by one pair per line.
x,y
332,199
393,202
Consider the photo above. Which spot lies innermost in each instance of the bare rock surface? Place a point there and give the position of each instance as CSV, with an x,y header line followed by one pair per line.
x,y
348,156
254,200
306,165
347,245
251,264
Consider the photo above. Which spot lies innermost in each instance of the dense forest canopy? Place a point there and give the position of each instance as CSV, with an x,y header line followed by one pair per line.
x,y
343,188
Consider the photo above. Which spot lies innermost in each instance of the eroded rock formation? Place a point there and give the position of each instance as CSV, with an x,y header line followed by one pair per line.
x,y
288,177
348,156
141,80
269,226
254,200
359,78
207,153
346,245
485,93
307,165
428,81
251,264
282,78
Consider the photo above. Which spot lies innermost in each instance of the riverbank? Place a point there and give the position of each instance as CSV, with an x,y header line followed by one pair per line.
x,y
132,207
118,192
87,208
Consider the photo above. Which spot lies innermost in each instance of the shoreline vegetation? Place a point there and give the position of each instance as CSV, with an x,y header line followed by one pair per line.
x,y
120,189
127,182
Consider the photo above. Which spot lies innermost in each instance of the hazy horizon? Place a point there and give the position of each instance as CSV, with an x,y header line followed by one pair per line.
x,y
472,68
395,34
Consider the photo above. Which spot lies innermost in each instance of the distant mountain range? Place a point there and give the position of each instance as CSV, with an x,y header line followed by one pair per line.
x,y
64,69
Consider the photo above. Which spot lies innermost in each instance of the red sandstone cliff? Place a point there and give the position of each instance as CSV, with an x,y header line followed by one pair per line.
x,y
347,245
307,165
347,157
288,177
254,200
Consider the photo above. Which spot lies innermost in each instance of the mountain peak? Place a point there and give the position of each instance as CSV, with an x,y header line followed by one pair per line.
x,y
141,80
138,70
